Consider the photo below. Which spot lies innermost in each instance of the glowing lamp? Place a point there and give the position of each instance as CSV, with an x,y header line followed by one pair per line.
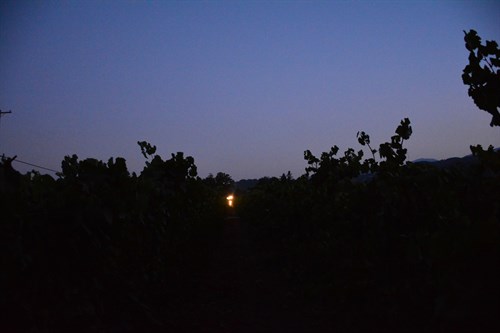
x,y
230,199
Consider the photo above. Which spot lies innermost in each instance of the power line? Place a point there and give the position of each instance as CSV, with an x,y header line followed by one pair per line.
x,y
36,166
3,113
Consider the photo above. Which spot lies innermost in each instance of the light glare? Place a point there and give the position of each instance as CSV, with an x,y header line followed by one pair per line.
x,y
229,199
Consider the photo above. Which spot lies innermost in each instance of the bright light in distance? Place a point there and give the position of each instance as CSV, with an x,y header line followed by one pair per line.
x,y
230,199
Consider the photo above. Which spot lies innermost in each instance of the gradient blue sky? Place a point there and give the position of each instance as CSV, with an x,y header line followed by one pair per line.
x,y
243,87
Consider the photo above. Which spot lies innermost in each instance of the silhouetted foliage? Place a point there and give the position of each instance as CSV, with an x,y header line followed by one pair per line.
x,y
395,239
482,74
94,245
222,182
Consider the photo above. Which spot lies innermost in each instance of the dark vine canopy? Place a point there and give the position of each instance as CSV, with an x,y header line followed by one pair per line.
x,y
482,74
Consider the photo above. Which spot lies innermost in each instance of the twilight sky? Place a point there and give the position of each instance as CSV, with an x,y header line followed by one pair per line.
x,y
243,87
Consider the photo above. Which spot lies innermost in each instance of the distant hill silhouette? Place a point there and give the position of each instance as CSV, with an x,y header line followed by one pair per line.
x,y
452,162
425,160
245,184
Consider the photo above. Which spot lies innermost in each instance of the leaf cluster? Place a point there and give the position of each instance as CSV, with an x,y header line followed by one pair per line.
x,y
482,74
330,169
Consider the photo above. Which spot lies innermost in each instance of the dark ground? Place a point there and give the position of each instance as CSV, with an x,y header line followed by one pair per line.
x,y
237,282
242,288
